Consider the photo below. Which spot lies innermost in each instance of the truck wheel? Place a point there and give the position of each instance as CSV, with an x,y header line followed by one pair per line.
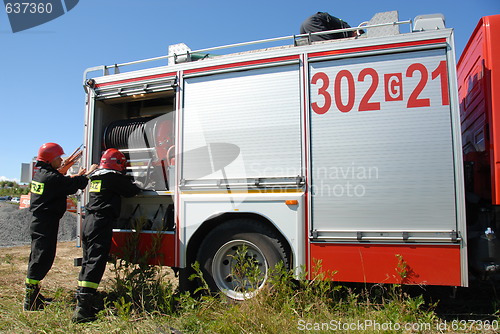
x,y
236,258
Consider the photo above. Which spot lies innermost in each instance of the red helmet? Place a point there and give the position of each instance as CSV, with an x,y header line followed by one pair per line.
x,y
113,159
48,152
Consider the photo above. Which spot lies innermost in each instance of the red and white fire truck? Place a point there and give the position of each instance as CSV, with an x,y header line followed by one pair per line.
x,y
346,153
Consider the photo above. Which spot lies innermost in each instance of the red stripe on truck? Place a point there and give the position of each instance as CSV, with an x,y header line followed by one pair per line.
x,y
378,47
242,64
148,77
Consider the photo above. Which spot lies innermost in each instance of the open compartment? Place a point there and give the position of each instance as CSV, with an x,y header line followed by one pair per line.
x,y
141,127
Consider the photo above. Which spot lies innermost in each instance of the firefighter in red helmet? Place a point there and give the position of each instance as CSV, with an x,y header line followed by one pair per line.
x,y
49,189
107,185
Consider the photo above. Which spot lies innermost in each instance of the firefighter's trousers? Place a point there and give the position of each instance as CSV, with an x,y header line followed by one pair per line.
x,y
96,243
43,246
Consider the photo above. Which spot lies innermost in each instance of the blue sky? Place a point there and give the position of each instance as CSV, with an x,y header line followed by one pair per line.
x,y
41,69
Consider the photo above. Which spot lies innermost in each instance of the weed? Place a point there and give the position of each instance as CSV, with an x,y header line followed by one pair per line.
x,y
402,268
8,258
123,307
141,299
203,287
137,284
246,272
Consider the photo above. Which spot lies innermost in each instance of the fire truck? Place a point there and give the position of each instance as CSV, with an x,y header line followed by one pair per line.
x,y
341,157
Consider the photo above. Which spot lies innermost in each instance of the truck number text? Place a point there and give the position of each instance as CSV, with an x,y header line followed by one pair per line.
x,y
392,85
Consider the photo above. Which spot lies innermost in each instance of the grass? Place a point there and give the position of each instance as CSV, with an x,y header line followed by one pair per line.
x,y
144,299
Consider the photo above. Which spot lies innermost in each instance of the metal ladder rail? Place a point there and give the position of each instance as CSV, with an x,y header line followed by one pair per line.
x,y
105,68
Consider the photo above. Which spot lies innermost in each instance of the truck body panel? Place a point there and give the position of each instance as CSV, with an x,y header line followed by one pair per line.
x,y
425,264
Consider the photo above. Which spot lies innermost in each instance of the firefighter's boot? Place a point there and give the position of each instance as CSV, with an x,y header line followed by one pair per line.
x,y
86,310
34,300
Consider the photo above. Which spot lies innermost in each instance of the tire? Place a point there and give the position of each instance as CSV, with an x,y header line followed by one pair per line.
x,y
240,273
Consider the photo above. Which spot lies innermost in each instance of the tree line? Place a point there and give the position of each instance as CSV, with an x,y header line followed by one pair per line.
x,y
11,188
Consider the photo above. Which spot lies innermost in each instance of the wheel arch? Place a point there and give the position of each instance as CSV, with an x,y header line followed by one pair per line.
x,y
216,220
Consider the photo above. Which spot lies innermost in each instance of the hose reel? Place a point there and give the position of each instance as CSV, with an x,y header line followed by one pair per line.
x,y
145,141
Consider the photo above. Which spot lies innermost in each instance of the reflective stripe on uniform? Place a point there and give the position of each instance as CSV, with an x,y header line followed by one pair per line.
x,y
86,284
95,186
37,187
32,281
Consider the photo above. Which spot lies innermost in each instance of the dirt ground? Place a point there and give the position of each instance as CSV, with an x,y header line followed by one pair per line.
x,y
14,261
61,279
15,249
15,242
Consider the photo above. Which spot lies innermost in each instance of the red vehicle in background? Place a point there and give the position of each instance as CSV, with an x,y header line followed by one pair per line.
x,y
478,73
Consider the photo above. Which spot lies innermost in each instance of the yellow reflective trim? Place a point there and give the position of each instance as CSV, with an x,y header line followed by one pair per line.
x,y
32,281
86,284
95,186
37,187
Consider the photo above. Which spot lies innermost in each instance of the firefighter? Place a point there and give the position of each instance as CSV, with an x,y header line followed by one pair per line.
x,y
49,189
322,21
107,185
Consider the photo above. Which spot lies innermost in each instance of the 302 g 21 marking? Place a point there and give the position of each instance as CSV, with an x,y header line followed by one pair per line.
x,y
393,88
28,8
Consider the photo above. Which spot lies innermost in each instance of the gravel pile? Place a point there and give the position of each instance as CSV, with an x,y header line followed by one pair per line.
x,y
15,226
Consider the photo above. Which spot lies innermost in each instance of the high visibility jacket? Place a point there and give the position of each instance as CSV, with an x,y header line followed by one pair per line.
x,y
106,188
49,190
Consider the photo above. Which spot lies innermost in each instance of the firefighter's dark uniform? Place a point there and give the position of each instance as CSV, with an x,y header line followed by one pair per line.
x,y
322,22
106,188
49,190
